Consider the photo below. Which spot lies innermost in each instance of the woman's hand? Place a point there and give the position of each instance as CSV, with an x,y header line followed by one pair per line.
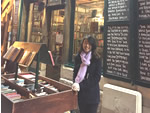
x,y
75,87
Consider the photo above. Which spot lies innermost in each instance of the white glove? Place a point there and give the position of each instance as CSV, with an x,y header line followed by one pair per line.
x,y
75,87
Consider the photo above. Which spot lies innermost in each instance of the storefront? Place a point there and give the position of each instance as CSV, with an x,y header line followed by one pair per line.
x,y
36,27
79,18
61,24
67,23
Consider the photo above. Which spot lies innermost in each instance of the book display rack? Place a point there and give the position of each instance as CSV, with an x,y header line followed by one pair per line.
x,y
19,96
29,92
27,53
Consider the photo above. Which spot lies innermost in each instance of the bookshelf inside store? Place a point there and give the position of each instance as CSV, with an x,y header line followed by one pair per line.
x,y
57,31
57,21
89,20
36,30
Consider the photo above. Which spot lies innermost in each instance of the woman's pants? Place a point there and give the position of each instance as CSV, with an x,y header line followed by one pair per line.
x,y
88,108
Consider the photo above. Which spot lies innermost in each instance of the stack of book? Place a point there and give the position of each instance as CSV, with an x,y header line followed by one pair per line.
x,y
53,88
13,96
4,88
42,82
19,81
48,85
10,93
41,94
28,76
29,87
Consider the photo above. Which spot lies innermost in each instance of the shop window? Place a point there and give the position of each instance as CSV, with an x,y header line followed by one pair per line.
x,y
89,20
36,29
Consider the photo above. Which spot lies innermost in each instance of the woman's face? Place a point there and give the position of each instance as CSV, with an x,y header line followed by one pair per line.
x,y
86,46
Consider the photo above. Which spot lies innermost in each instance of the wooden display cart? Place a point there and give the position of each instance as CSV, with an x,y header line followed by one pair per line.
x,y
54,102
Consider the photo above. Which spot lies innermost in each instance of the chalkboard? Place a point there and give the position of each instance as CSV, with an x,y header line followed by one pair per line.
x,y
117,38
118,10
127,41
144,51
117,50
144,9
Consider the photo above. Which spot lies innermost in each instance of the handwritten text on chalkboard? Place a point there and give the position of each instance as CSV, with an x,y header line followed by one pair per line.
x,y
144,8
144,51
117,50
118,10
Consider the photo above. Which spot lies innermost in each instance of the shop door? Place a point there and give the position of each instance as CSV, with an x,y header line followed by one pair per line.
x,y
57,34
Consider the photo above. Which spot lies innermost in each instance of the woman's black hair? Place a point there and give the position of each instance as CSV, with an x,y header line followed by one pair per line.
x,y
92,42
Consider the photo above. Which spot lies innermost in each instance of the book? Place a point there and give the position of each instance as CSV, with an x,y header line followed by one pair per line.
x,y
12,93
7,55
18,100
94,27
8,91
30,58
28,76
21,51
13,54
14,96
4,87
41,94
51,57
24,57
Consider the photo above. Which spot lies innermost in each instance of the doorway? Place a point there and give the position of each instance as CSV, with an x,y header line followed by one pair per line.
x,y
55,43
57,34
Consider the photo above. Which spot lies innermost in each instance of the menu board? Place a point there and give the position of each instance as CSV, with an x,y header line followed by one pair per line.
x,y
117,50
144,8
144,51
118,10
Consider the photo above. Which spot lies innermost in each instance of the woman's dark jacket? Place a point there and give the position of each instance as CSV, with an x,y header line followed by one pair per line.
x,y
89,87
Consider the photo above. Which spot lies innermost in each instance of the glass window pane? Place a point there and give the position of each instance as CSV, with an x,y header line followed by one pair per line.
x,y
89,20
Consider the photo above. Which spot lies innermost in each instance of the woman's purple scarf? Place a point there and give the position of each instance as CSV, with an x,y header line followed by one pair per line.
x,y
85,58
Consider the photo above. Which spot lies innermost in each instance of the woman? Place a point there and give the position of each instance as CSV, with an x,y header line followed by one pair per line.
x,y
86,77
